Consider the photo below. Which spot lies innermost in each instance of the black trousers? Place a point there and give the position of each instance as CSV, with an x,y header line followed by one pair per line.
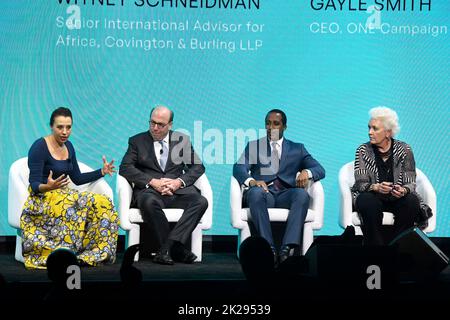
x,y
151,203
370,208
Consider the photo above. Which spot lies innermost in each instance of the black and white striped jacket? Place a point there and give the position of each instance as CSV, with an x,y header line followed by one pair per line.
x,y
404,171
366,172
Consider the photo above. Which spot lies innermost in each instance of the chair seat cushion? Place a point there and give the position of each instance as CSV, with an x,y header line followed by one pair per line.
x,y
277,214
388,219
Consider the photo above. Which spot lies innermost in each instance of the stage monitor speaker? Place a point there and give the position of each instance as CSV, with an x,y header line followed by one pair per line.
x,y
347,266
417,256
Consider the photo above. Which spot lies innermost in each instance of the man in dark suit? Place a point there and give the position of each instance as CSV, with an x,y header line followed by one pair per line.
x,y
161,166
274,172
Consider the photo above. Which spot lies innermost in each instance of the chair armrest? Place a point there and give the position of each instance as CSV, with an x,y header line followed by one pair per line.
x,y
317,204
204,186
17,194
236,204
428,194
346,203
124,194
100,186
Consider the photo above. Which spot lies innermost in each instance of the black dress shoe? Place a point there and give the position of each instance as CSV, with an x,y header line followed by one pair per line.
x,y
189,257
284,254
163,257
183,255
275,256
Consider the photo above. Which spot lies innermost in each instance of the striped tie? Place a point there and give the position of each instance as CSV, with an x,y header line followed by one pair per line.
x,y
164,155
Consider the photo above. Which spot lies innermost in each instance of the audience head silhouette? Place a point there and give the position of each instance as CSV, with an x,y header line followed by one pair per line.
x,y
256,259
58,262
130,275
2,281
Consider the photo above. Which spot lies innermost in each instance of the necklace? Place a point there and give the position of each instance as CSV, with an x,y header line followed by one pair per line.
x,y
57,151
55,146
385,154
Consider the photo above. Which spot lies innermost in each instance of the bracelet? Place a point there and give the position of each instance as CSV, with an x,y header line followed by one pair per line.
x,y
405,192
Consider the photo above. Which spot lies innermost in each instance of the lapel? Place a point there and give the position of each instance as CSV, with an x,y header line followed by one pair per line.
x,y
264,152
368,155
171,145
397,154
284,154
151,152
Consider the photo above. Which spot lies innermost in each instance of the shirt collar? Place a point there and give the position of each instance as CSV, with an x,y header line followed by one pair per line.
x,y
279,142
165,139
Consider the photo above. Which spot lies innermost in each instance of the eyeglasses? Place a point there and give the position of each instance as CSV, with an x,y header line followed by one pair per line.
x,y
158,124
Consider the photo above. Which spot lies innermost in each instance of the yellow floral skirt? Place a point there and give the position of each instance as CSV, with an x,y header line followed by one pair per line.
x,y
83,222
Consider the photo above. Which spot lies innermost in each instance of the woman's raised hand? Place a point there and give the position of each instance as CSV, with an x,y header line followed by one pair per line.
x,y
108,168
57,183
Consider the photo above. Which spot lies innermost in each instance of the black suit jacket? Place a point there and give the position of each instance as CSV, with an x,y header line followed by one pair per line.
x,y
140,165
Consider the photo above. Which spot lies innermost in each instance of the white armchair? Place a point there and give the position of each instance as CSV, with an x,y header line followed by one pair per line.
x,y
313,221
130,217
18,193
348,217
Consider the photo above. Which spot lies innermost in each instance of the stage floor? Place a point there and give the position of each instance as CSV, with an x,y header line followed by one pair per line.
x,y
217,279
216,285
214,267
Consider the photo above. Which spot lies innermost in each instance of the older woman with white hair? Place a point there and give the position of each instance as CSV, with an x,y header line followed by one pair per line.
x,y
385,178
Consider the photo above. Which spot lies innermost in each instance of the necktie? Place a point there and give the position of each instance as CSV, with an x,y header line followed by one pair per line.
x,y
275,165
164,155
275,158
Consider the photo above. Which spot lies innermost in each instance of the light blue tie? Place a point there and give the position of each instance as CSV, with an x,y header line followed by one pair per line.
x,y
164,155
275,158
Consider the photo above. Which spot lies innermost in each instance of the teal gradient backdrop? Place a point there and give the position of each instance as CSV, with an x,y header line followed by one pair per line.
x,y
325,82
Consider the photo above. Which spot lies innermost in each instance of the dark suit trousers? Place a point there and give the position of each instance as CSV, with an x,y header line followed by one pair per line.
x,y
294,199
151,203
370,208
